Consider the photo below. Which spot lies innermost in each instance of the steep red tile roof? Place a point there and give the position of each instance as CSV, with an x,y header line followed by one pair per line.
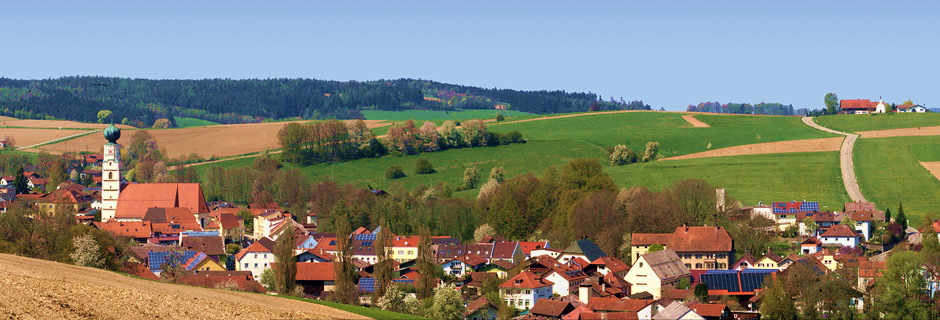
x,y
140,270
136,198
405,241
527,247
618,305
612,263
230,220
857,104
648,239
504,250
322,254
859,206
709,310
477,304
66,196
315,271
133,229
551,308
526,280
254,247
870,269
213,246
471,259
686,239
327,244
840,231
811,241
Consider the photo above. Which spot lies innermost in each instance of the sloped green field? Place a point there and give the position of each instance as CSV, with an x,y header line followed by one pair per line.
x,y
889,172
871,122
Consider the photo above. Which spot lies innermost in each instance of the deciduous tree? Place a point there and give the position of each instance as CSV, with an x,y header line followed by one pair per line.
x,y
285,271
448,303
85,251
345,289
832,103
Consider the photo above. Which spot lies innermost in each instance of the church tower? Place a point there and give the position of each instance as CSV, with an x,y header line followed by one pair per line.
x,y
110,173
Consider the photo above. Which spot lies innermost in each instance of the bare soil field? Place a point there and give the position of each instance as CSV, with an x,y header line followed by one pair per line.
x,y
219,140
905,132
40,289
933,167
13,122
23,137
695,122
808,145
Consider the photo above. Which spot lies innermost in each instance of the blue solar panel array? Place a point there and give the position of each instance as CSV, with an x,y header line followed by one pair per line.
x,y
201,233
747,280
199,258
366,285
366,237
806,206
157,259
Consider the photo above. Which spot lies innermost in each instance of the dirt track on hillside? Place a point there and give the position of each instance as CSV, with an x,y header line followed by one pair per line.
x,y
808,145
904,132
39,289
695,122
218,140
23,137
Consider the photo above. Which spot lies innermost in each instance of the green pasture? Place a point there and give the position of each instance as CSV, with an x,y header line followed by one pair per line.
x,y
874,121
675,135
889,172
182,122
423,115
812,176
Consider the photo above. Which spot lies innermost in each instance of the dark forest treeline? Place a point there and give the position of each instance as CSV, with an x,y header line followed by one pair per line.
x,y
143,101
776,109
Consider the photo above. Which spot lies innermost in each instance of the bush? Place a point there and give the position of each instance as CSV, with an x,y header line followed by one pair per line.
x,y
423,166
499,117
394,172
621,155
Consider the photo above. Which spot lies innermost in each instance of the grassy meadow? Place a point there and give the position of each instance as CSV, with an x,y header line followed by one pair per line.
x,y
871,122
182,122
889,173
813,176
422,115
675,135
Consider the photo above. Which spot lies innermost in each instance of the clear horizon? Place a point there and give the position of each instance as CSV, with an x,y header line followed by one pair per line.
x,y
669,55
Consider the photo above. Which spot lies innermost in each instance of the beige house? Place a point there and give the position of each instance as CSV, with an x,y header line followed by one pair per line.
x,y
653,271
699,248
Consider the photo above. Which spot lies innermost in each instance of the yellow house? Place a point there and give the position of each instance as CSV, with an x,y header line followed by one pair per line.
x,y
202,262
404,248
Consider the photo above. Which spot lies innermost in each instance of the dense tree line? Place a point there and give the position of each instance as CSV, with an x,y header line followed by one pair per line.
x,y
144,101
776,109
332,140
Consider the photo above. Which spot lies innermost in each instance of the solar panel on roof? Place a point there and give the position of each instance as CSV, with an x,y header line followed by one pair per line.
x,y
366,237
366,285
157,259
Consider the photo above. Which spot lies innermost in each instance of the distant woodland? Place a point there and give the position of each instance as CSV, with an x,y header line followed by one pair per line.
x,y
142,102
776,109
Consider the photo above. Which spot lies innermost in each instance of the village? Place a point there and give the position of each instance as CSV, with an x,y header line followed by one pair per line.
x,y
694,272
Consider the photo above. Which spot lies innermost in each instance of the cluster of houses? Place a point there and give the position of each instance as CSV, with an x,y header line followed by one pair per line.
x,y
865,106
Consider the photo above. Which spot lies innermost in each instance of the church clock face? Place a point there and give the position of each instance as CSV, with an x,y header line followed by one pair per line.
x,y
110,151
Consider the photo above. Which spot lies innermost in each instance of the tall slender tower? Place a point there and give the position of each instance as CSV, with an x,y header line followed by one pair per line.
x,y
110,173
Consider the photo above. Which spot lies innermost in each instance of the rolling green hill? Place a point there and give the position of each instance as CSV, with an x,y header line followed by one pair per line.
x,y
424,115
871,122
889,173
183,122
554,142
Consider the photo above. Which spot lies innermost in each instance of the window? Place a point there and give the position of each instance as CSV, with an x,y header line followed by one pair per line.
x,y
527,291
256,264
698,266
720,256
246,265
411,252
641,264
110,175
265,264
256,256
688,265
698,256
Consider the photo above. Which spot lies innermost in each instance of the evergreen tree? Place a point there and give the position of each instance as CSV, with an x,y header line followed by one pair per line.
x,y
19,181
901,218
345,286
285,273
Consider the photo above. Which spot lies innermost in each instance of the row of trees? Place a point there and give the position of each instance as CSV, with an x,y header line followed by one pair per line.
x,y
774,108
408,139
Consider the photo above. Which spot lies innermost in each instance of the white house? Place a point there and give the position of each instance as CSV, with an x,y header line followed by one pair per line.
x,y
566,279
840,235
255,258
654,270
880,108
524,289
463,265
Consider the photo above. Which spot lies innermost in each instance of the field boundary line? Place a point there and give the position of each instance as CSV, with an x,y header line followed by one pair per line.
x,y
57,140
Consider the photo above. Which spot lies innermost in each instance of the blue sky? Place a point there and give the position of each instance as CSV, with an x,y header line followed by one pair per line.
x,y
667,53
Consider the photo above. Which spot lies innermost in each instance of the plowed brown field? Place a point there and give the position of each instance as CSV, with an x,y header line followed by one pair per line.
x,y
40,289
26,137
933,167
808,145
905,132
219,140
13,122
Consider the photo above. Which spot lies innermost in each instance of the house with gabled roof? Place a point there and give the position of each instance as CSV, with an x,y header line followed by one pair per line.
x,y
582,248
677,311
526,288
463,265
860,106
202,262
135,199
868,271
507,251
605,265
254,258
404,248
481,309
315,277
213,246
231,226
746,282
314,255
566,278
698,247
769,260
653,271
140,231
712,311
642,308
746,261
528,246
810,246
157,259
840,235
550,309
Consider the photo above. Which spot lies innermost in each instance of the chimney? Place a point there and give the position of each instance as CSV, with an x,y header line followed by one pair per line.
x,y
584,293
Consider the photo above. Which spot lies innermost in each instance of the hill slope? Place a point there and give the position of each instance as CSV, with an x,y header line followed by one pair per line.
x,y
40,289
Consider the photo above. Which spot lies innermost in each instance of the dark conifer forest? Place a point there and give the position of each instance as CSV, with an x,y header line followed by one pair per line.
x,y
143,101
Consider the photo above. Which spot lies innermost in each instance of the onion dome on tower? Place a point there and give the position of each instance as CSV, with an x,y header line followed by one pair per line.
x,y
112,133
